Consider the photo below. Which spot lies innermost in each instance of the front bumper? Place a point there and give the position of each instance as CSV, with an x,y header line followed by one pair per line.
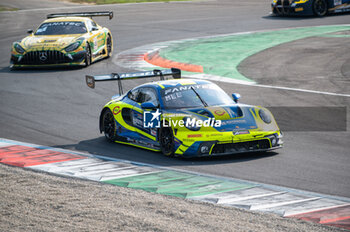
x,y
285,7
218,148
47,58
243,147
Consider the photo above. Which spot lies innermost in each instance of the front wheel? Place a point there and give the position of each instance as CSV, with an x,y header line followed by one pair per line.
x,y
319,7
109,126
166,140
109,46
87,56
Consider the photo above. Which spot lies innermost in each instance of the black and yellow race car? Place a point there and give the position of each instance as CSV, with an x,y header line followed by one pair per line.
x,y
309,7
64,39
184,117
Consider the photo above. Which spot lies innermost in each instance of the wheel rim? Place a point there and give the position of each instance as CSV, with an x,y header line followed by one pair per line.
x,y
109,45
320,7
167,141
109,125
88,56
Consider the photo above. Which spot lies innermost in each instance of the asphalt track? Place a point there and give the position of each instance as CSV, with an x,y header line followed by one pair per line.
x,y
55,108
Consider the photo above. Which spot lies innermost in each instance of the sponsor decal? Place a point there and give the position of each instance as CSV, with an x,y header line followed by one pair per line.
x,y
337,2
52,25
188,140
95,44
173,96
244,132
186,87
137,119
216,135
232,122
194,136
116,110
149,73
220,112
153,132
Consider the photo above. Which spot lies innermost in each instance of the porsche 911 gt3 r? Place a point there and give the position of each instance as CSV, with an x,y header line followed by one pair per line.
x,y
196,117
64,39
309,7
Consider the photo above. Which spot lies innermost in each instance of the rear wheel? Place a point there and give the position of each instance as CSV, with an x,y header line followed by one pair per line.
x,y
87,56
166,140
319,7
109,126
109,46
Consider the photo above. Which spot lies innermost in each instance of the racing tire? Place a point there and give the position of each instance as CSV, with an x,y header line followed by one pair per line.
x,y
166,141
109,126
109,46
320,8
88,56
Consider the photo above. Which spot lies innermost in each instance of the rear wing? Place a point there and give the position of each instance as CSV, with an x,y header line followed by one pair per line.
x,y
82,14
90,80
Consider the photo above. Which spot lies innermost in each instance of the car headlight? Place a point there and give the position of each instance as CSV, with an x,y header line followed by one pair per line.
x,y
73,46
19,48
274,140
264,116
190,123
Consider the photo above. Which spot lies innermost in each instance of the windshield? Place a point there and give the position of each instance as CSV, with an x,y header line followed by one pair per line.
x,y
186,96
61,28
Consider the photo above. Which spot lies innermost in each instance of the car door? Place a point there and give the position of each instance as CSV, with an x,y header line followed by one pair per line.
x,y
97,37
130,101
145,94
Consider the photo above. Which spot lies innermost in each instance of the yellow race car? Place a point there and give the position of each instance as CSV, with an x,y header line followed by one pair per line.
x,y
64,39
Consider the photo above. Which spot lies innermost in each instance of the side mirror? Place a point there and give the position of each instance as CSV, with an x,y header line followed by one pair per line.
x,y
148,105
94,29
236,96
30,31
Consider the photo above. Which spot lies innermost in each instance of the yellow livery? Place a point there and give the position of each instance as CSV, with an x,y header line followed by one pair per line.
x,y
64,39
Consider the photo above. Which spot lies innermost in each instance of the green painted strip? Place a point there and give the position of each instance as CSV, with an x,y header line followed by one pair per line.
x,y
194,191
221,55
149,179
178,184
